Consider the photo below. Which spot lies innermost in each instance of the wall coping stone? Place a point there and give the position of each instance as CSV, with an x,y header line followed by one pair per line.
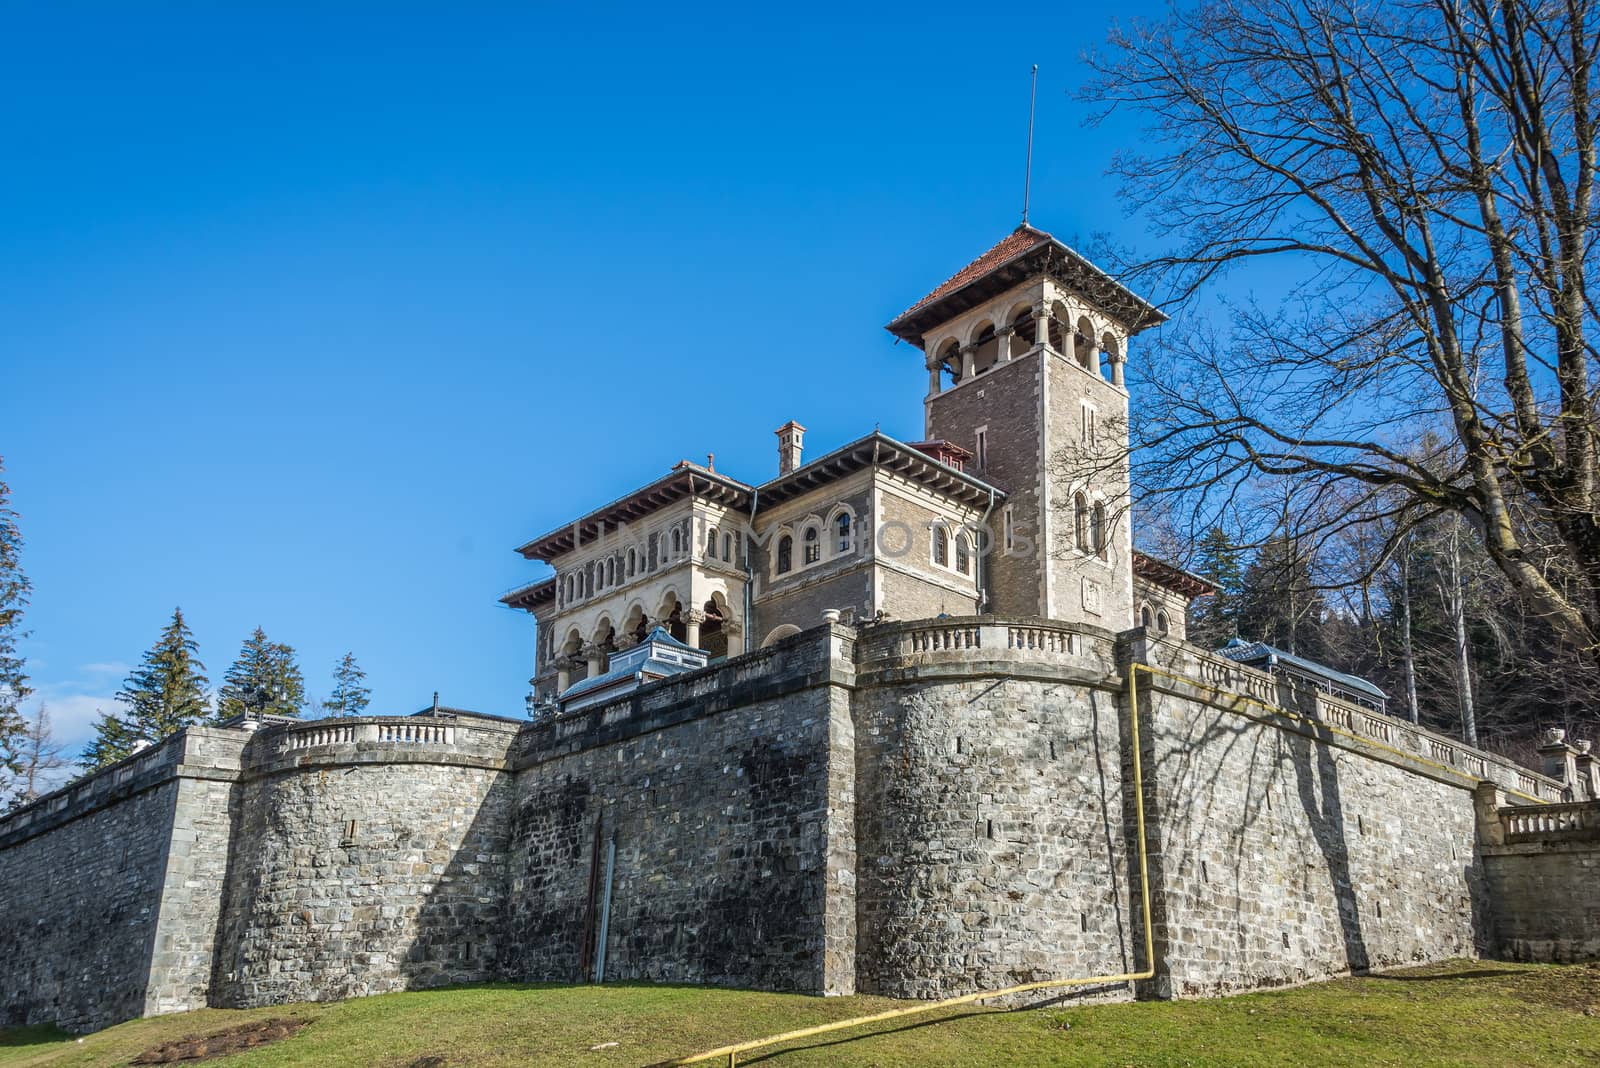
x,y
211,753
821,656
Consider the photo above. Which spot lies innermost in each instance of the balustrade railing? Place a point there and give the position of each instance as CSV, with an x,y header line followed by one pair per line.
x,y
392,732
1223,674
941,637
305,738
1572,819
415,733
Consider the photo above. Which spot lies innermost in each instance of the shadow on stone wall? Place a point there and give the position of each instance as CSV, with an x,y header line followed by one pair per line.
x,y
1112,829
1323,804
1206,792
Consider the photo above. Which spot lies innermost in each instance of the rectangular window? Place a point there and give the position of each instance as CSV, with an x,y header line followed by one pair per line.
x,y
981,451
1008,534
1088,427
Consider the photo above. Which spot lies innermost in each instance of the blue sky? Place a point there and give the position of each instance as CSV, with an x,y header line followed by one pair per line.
x,y
308,317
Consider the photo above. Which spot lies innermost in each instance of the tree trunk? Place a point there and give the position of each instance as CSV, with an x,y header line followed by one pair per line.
x,y
1408,652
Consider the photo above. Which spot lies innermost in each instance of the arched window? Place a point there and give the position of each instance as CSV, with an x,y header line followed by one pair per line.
x,y
985,349
1163,624
711,543
727,548
813,549
1145,619
1083,344
633,562
1080,521
677,541
566,589
1023,331
841,534
941,545
611,571
1100,528
950,360
963,554
785,554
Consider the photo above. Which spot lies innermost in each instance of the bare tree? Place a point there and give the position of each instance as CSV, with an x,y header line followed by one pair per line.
x,y
39,756
1420,174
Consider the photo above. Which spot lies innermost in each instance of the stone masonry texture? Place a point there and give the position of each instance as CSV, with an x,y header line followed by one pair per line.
x,y
913,808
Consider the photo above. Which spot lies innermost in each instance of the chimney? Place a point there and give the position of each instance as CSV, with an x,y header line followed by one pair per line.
x,y
791,437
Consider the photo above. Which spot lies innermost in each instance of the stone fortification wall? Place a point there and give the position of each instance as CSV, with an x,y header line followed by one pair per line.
x,y
1295,837
915,809
990,800
1542,864
726,798
110,887
369,856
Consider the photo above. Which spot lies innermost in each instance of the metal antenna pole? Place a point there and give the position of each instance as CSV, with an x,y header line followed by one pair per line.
x,y
1027,181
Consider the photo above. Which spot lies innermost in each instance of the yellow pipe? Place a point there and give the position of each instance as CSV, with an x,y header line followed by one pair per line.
x,y
732,1052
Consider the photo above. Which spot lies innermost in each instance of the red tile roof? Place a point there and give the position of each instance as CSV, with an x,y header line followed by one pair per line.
x,y
1022,240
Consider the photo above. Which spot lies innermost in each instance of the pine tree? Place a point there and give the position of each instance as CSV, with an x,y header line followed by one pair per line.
x,y
113,740
1279,603
350,697
263,681
167,691
1214,620
14,590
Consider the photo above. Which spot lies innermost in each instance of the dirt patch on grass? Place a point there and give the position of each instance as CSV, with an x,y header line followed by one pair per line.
x,y
220,1043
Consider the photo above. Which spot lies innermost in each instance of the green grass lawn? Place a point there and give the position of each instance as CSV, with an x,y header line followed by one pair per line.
x,y
1463,1013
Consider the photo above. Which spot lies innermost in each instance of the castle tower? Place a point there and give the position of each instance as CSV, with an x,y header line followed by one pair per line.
x,y
1025,350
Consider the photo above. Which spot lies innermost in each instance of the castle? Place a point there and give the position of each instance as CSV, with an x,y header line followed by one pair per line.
x,y
874,725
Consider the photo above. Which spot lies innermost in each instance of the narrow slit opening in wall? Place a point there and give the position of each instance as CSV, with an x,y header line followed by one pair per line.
x,y
1380,909
1052,749
1083,922
990,830
958,745
349,830
1205,876
1361,826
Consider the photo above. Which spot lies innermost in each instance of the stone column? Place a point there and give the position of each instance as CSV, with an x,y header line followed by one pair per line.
x,y
1560,761
1004,337
1487,800
563,674
596,658
691,626
967,354
935,379
1116,370
1041,322
1588,771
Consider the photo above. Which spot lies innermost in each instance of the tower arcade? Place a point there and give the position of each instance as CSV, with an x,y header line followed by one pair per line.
x,y
1025,350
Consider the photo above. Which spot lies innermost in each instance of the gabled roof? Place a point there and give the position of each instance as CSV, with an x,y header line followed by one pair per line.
x,y
684,480
688,479
1244,652
1171,576
1020,255
532,595
879,449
